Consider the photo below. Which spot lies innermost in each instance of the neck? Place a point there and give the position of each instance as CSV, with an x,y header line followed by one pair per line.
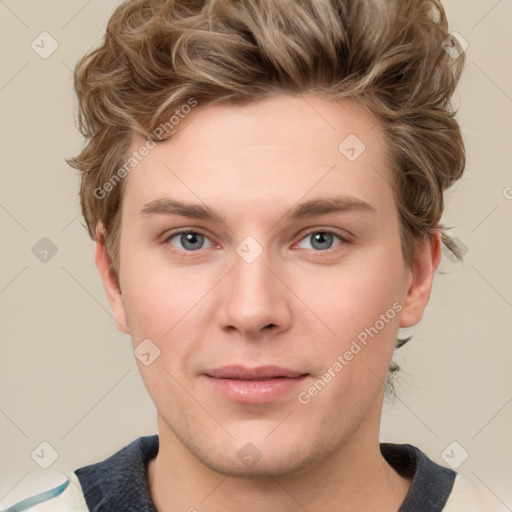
x,y
356,477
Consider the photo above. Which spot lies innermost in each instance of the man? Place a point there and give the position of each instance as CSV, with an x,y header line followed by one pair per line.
x,y
264,181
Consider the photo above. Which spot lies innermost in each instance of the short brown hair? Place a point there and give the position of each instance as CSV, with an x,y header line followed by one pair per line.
x,y
387,55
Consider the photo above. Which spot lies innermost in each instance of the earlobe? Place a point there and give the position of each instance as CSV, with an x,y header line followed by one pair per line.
x,y
110,281
421,277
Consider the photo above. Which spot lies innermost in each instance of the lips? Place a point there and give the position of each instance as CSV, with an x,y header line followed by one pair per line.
x,y
257,385
257,373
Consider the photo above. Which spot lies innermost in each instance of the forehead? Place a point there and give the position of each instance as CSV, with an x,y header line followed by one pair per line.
x,y
270,152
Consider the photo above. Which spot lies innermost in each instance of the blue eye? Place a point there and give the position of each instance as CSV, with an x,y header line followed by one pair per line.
x,y
189,240
323,240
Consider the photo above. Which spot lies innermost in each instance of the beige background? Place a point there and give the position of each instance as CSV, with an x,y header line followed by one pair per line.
x,y
69,378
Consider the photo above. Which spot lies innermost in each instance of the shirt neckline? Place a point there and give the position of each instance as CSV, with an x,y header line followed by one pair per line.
x,y
120,482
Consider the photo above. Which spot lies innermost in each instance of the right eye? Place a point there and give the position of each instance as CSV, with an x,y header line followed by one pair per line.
x,y
189,240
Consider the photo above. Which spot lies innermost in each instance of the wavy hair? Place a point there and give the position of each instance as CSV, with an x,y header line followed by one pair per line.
x,y
389,55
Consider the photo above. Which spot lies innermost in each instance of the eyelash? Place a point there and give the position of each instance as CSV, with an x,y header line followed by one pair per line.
x,y
330,231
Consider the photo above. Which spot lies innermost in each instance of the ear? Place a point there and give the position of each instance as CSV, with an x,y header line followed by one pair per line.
x,y
110,281
420,279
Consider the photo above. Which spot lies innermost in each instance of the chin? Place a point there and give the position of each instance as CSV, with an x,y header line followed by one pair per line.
x,y
261,459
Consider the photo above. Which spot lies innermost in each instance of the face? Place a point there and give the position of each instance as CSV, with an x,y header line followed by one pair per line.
x,y
262,277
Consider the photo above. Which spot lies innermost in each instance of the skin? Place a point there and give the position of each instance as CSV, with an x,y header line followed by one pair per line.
x,y
297,305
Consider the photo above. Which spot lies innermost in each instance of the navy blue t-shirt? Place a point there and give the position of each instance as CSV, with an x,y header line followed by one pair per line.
x,y
120,484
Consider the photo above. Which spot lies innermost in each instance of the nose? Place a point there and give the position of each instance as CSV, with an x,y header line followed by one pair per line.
x,y
253,300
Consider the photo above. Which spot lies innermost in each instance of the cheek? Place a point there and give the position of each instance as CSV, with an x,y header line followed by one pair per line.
x,y
158,297
361,304
167,306
354,361
352,296
163,307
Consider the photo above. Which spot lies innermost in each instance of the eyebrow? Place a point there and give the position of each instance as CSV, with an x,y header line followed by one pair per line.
x,y
314,207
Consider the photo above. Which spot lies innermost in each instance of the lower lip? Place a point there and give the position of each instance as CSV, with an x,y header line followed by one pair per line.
x,y
255,391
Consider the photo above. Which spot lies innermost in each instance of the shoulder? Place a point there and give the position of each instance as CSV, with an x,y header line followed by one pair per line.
x,y
431,483
435,487
124,465
119,479
466,497
51,493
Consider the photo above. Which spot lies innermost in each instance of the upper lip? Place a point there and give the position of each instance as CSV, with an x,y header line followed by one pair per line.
x,y
257,373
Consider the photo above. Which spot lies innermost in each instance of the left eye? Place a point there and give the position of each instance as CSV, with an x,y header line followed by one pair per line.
x,y
322,240
193,241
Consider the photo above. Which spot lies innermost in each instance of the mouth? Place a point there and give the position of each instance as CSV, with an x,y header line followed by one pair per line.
x,y
253,385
